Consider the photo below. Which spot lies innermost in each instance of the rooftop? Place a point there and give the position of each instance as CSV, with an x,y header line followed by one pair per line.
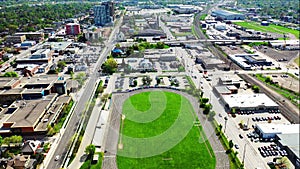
x,y
28,114
279,128
249,100
226,13
291,140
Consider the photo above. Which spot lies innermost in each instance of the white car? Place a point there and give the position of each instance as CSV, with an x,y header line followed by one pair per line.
x,y
57,157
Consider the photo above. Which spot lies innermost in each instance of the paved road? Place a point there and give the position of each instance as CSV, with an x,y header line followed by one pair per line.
x,y
62,147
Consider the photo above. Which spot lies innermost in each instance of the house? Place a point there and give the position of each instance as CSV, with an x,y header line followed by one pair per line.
x,y
30,147
18,162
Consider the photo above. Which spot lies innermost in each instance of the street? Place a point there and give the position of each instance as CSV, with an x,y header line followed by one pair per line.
x,y
71,127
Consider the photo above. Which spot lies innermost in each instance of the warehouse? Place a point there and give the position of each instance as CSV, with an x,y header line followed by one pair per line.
x,y
258,102
227,15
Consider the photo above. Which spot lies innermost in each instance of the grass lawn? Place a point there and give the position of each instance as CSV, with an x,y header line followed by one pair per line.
x,y
159,131
297,60
271,28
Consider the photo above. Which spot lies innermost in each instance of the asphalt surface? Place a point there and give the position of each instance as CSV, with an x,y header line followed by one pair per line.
x,y
71,127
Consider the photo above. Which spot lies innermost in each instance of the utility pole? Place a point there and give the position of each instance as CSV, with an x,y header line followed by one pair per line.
x,y
225,118
244,153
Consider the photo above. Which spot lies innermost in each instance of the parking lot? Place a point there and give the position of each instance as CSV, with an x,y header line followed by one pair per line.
x,y
125,83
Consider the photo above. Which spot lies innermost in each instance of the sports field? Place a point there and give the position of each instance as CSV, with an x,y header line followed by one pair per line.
x,y
160,130
271,28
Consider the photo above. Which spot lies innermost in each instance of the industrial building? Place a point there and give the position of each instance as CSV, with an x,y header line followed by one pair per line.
x,y
246,61
291,143
227,15
258,102
269,130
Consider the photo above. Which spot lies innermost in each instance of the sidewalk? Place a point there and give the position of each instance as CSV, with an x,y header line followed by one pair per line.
x,y
88,135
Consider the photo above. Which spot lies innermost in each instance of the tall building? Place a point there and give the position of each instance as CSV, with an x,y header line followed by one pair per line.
x,y
104,13
73,29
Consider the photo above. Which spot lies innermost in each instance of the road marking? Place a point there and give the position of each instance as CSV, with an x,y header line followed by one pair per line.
x,y
109,156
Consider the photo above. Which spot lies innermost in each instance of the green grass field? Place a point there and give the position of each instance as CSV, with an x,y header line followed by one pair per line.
x,y
297,61
271,28
166,118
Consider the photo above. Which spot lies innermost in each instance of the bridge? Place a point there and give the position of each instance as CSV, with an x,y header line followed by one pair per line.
x,y
219,41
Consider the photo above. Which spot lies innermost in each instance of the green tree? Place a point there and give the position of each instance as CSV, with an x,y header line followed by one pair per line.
x,y
206,108
61,64
268,79
90,150
158,80
160,45
255,88
211,115
10,74
109,66
230,144
80,77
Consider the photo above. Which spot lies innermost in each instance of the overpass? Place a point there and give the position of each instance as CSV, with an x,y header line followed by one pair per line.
x,y
218,41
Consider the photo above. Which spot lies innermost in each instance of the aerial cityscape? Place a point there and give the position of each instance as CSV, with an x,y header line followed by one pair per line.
x,y
149,84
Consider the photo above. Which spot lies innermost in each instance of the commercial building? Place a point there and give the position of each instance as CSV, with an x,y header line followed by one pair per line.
x,y
15,39
269,130
42,56
227,15
246,61
291,143
34,116
35,36
104,13
92,34
258,102
73,29
230,80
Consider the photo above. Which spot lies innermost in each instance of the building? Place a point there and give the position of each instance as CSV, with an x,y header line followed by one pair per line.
x,y
42,56
230,80
270,130
290,143
258,102
104,13
15,39
93,34
227,15
72,29
35,36
246,61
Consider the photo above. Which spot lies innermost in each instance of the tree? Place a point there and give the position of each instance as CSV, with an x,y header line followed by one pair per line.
x,y
255,88
10,74
118,45
160,45
80,77
206,108
1,140
146,80
90,150
61,64
158,80
109,66
230,144
268,79
12,139
211,115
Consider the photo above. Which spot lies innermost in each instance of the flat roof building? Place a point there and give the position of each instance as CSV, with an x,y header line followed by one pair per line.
x,y
227,15
269,130
291,143
257,102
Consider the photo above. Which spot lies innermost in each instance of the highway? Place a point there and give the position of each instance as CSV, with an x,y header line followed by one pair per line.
x,y
71,127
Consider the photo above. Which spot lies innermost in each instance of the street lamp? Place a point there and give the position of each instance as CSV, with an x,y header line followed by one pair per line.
x,y
225,118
